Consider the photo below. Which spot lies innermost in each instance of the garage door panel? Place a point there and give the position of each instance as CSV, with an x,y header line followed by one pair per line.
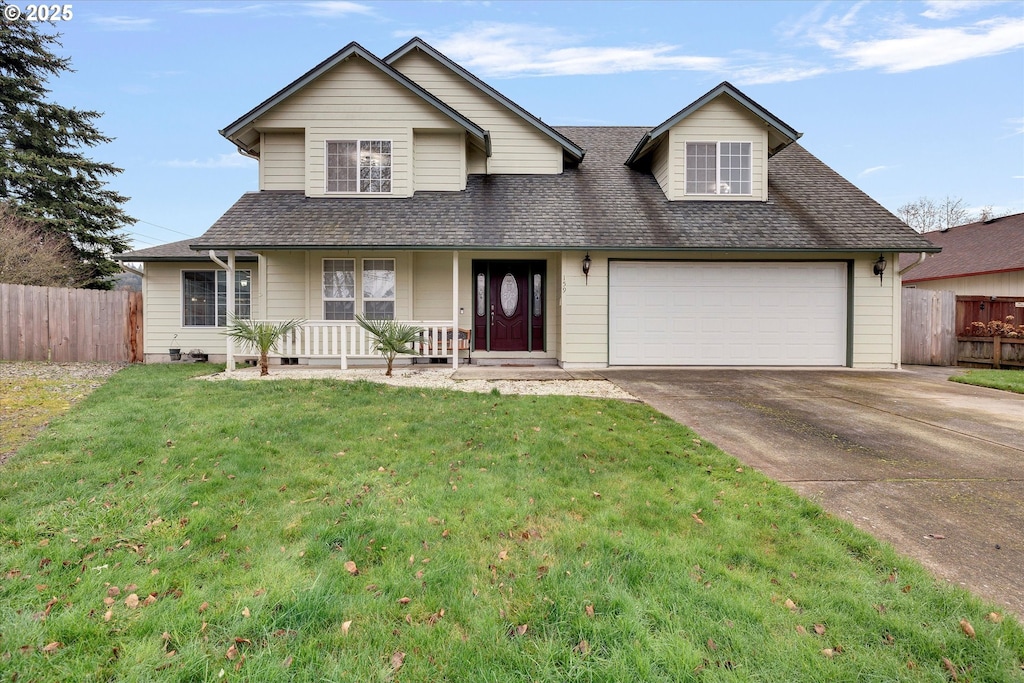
x,y
727,313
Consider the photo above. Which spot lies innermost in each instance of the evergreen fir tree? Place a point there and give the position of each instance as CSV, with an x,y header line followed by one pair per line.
x,y
44,175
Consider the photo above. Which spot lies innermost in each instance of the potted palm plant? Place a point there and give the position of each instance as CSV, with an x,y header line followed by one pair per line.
x,y
260,335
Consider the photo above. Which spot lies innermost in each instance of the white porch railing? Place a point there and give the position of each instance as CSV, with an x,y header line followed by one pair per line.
x,y
346,339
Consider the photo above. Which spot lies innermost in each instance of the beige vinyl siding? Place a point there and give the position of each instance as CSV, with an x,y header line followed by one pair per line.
x,y
476,160
356,101
721,120
660,165
438,161
516,146
432,285
875,319
994,284
161,292
286,286
283,161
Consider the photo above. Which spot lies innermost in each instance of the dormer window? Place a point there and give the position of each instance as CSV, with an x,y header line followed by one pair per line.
x,y
718,168
362,166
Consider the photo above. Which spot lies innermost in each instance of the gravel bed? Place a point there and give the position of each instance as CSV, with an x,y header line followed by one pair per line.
x,y
14,370
440,379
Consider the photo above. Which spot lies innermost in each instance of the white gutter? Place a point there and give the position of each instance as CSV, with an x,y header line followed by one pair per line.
x,y
915,264
129,269
230,268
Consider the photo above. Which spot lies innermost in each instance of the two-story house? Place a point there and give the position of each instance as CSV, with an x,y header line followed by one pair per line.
x,y
406,188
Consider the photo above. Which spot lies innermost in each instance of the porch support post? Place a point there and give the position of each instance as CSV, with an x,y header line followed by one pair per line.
x,y
455,310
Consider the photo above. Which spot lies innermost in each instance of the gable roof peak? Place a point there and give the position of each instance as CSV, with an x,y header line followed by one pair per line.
x,y
779,132
571,149
233,130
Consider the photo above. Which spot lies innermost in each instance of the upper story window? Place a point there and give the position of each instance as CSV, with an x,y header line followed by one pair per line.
x,y
359,166
718,168
204,297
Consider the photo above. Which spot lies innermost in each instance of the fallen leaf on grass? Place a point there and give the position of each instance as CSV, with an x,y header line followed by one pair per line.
x,y
696,517
819,629
966,627
52,647
801,630
246,613
113,591
948,666
345,626
711,645
583,647
589,610
503,555
829,652
231,653
203,607
597,495
287,662
790,605
994,617
132,601
108,615
397,659
404,601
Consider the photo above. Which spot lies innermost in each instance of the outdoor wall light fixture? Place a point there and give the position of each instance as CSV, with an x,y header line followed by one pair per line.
x,y
586,267
879,268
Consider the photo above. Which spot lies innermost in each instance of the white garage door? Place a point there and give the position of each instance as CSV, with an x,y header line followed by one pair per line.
x,y
727,313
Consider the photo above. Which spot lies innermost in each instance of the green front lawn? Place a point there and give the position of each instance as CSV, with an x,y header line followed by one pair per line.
x,y
168,529
1007,380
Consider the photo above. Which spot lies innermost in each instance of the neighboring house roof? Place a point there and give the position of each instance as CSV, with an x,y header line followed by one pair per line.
x,y
574,151
238,126
179,251
780,134
985,247
601,204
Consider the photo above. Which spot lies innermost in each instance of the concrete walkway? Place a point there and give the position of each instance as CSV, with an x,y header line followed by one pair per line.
x,y
932,466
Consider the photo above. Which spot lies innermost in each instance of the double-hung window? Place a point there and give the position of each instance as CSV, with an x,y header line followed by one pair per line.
x,y
718,168
339,289
361,166
379,288
204,297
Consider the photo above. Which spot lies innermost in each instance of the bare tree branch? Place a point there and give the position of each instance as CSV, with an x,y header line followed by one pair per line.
x,y
30,256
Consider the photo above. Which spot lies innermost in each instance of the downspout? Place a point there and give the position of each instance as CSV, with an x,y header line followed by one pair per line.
x,y
915,264
230,268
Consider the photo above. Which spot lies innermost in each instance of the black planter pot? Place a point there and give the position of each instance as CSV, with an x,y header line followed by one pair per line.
x,y
175,354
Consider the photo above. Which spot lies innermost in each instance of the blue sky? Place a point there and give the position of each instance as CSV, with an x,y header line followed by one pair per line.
x,y
905,99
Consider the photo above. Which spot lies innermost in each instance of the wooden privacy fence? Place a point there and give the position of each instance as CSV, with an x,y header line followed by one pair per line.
x,y
68,325
993,352
984,309
928,327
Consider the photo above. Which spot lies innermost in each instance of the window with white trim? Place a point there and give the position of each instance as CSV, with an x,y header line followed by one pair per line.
x,y
718,168
204,297
379,288
361,166
339,288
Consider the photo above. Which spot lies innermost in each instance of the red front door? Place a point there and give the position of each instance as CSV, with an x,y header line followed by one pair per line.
x,y
507,298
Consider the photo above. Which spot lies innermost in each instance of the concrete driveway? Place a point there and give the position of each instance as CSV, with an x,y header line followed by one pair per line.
x,y
934,467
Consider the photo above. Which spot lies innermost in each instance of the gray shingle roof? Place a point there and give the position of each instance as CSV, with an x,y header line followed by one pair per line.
x,y
179,251
602,204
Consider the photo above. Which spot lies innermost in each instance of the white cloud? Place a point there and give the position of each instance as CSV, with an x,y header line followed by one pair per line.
x,y
506,50
1017,125
916,48
231,160
873,169
941,10
335,8
122,23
